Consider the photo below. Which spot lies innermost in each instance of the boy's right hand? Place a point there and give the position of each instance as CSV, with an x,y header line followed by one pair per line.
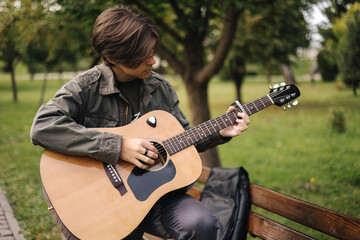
x,y
139,152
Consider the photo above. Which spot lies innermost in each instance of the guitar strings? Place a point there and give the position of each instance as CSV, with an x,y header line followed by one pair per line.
x,y
206,129
189,137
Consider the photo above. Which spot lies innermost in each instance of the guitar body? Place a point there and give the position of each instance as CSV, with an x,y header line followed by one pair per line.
x,y
87,202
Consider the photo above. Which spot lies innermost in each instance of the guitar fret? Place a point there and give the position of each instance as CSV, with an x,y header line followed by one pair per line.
x,y
202,133
176,146
248,112
234,116
186,135
225,118
259,104
228,118
207,129
223,122
212,125
197,133
216,126
255,106
252,108
262,102
181,141
169,147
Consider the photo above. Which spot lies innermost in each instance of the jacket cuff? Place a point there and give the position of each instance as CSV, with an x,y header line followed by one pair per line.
x,y
211,141
219,139
110,148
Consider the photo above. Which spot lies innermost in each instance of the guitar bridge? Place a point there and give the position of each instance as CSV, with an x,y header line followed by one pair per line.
x,y
115,178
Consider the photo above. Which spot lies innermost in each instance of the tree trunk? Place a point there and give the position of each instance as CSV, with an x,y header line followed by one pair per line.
x,y
43,89
13,84
288,74
199,110
60,72
237,73
32,76
354,90
268,74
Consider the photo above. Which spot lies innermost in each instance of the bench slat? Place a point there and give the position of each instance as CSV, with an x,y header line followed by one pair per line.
x,y
204,175
195,192
316,217
265,228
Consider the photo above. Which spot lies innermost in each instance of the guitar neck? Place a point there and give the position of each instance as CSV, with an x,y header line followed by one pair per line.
x,y
195,134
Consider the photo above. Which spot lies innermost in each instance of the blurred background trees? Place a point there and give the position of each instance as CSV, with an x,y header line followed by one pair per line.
x,y
200,40
339,56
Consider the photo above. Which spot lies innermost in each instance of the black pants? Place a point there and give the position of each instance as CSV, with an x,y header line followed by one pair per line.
x,y
178,216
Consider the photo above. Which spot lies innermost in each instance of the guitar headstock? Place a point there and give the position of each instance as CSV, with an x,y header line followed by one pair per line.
x,y
283,94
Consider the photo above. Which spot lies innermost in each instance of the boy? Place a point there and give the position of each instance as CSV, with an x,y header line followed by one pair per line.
x,y
115,94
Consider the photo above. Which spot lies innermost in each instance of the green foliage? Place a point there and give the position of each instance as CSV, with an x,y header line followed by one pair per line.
x,y
338,121
341,42
327,65
10,35
271,35
349,47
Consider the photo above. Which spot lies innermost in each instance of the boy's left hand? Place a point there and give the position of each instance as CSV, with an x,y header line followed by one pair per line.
x,y
236,129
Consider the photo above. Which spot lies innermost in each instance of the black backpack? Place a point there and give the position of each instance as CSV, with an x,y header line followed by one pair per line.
x,y
226,194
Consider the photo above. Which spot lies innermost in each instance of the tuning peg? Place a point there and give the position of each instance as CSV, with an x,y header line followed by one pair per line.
x,y
282,84
276,86
284,108
294,103
270,87
289,105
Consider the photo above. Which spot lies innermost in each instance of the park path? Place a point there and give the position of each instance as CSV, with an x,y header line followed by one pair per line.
x,y
9,227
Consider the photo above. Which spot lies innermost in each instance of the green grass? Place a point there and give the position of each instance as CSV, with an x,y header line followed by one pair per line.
x,y
295,151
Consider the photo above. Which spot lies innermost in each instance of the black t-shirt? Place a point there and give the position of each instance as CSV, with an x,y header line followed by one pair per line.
x,y
131,90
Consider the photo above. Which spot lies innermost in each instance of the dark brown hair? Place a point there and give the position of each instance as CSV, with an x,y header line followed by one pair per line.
x,y
124,36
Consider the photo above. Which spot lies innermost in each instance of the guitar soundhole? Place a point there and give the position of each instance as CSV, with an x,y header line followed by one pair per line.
x,y
161,160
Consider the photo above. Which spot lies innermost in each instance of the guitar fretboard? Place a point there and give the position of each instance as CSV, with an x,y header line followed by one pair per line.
x,y
195,134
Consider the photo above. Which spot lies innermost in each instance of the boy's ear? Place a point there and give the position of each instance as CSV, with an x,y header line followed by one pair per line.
x,y
110,61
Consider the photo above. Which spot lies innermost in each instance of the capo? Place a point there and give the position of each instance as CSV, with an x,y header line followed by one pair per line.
x,y
237,104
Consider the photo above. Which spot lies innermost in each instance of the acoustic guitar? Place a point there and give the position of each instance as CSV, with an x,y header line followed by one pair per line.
x,y
95,200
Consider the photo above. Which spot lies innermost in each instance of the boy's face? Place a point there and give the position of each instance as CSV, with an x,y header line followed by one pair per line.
x,y
125,74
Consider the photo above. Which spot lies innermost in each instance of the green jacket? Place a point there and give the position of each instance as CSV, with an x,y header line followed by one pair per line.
x,y
91,100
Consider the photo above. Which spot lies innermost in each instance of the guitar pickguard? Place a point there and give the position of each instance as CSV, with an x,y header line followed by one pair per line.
x,y
144,182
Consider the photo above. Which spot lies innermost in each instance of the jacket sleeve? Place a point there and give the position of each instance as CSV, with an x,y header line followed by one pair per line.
x,y
202,145
57,127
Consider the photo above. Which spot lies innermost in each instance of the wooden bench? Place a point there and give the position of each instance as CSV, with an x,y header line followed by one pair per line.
x,y
315,217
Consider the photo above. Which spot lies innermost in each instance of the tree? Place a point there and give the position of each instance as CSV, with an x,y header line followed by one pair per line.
x,y
349,47
327,58
269,36
277,32
10,39
327,65
80,18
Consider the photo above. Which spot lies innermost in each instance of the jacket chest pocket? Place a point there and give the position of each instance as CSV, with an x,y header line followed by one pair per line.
x,y
91,121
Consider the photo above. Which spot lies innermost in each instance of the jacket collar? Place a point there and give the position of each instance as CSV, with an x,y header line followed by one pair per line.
x,y
108,81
